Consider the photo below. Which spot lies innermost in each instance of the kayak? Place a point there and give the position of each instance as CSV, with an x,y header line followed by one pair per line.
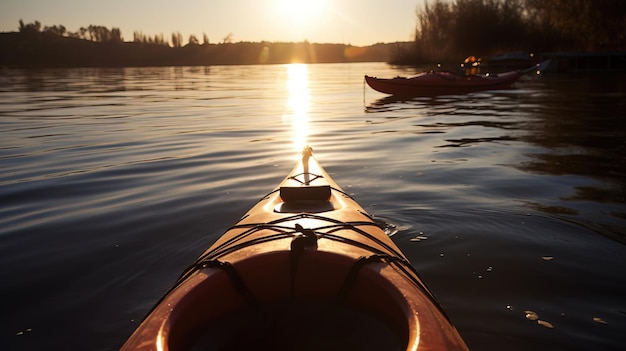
x,y
442,83
306,268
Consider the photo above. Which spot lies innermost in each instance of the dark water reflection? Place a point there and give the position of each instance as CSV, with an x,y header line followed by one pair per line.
x,y
583,133
579,124
114,180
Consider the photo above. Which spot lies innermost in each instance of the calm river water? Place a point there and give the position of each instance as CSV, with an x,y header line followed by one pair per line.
x,y
507,202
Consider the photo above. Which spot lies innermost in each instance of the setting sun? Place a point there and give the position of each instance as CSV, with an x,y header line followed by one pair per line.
x,y
300,13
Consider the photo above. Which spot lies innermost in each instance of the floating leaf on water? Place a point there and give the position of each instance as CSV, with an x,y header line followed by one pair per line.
x,y
21,332
599,320
548,258
545,324
531,316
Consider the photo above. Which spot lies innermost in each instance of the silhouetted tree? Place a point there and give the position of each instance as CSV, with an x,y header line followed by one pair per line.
x,y
452,29
30,28
177,40
433,35
139,37
116,35
160,40
228,38
83,33
580,24
56,30
193,40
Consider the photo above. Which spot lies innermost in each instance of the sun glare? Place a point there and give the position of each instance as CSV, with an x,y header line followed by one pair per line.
x,y
300,12
299,103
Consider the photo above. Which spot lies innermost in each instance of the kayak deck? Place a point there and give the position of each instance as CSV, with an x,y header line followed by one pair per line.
x,y
305,268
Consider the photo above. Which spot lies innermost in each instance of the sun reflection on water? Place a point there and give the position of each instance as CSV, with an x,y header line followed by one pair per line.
x,y
299,103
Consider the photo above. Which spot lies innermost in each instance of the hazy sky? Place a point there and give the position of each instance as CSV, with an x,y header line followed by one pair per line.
x,y
356,22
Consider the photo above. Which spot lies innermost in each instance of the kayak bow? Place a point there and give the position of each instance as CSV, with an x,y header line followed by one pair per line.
x,y
306,268
441,83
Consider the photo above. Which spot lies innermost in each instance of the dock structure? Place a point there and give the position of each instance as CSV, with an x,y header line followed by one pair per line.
x,y
575,62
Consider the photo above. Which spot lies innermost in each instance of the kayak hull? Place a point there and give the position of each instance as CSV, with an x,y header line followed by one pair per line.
x,y
305,266
441,83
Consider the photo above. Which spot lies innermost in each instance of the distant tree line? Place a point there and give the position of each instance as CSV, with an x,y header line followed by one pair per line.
x,y
449,30
97,46
93,33
103,34
177,39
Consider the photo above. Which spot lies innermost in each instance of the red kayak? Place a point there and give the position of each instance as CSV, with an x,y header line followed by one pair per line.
x,y
305,269
442,83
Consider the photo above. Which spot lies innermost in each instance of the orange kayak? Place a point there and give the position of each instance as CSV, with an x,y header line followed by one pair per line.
x,y
305,269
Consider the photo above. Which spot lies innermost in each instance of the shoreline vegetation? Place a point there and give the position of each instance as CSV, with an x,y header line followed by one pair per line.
x,y
43,49
446,32
455,29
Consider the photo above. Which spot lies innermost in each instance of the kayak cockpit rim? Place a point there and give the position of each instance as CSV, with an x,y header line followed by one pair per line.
x,y
363,293
305,265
